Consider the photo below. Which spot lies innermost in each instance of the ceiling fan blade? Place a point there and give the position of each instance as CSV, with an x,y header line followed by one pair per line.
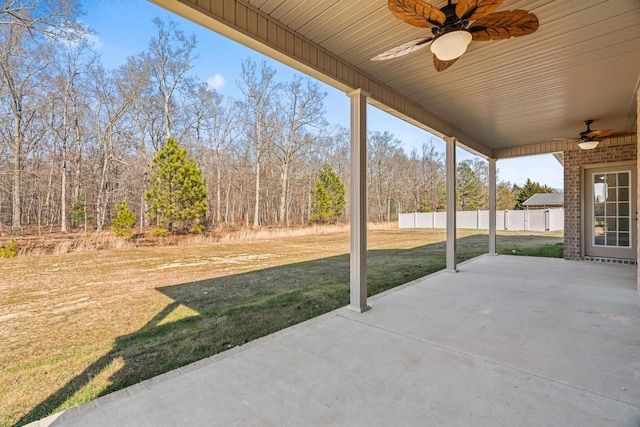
x,y
623,133
609,133
470,10
404,49
441,65
601,133
504,25
417,13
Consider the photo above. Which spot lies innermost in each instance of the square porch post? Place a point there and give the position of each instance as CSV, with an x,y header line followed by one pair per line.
x,y
358,208
492,207
450,164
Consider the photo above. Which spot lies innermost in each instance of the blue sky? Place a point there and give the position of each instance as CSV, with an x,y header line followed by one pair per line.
x,y
123,28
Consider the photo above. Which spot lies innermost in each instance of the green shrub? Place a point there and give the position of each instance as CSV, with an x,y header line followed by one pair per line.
x,y
10,250
159,232
124,220
78,212
198,229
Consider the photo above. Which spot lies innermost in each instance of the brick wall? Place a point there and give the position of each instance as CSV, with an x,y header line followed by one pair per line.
x,y
572,184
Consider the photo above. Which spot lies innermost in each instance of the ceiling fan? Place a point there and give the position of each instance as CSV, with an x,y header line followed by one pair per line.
x,y
589,139
454,26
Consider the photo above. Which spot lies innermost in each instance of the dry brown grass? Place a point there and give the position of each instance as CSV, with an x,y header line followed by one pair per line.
x,y
76,325
66,243
63,243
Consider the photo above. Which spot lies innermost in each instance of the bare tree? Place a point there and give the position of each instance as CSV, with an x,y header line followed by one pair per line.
x,y
169,59
259,89
52,18
215,127
300,118
431,183
383,146
112,98
21,63
26,29
72,69
223,127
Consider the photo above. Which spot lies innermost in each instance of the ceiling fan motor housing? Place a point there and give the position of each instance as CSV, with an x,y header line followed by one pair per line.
x,y
584,134
452,23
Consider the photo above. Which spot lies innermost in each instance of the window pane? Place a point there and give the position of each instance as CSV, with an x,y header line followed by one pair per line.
x,y
623,224
623,209
598,209
623,194
623,239
612,239
599,231
611,179
612,224
623,179
600,191
612,209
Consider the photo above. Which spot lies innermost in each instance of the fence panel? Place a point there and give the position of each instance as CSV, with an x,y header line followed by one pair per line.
x,y
501,217
483,219
532,220
536,220
407,220
467,219
515,221
556,219
440,220
425,220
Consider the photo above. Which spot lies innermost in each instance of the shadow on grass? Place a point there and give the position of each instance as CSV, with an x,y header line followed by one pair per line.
x,y
210,316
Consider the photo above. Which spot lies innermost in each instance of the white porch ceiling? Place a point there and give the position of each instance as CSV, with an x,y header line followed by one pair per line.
x,y
582,63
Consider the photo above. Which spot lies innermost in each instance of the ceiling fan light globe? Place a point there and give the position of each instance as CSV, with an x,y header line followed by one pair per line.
x,y
451,45
588,145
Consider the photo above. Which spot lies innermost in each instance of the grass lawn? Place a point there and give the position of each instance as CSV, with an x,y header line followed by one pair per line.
x,y
80,325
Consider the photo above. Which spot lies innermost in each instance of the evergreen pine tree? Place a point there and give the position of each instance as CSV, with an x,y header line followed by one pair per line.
x,y
469,187
78,212
529,189
328,198
321,211
335,189
124,220
177,190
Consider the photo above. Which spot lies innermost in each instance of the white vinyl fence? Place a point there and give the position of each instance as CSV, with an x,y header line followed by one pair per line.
x,y
529,220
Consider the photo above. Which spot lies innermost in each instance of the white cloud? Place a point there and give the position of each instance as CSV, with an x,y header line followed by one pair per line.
x,y
94,41
72,37
216,82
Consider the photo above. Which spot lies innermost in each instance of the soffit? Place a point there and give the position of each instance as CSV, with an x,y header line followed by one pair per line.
x,y
582,63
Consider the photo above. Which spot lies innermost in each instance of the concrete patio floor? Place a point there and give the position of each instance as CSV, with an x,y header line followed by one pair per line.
x,y
506,341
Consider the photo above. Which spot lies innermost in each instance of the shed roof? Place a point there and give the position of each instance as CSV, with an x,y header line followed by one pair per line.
x,y
545,199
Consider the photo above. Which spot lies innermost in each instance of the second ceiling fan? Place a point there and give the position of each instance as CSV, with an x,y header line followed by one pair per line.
x,y
589,139
454,26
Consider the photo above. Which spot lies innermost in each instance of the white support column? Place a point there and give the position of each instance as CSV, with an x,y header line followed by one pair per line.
x,y
450,163
358,258
492,207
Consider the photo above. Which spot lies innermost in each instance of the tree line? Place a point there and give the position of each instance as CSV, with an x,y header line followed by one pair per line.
x,y
77,140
